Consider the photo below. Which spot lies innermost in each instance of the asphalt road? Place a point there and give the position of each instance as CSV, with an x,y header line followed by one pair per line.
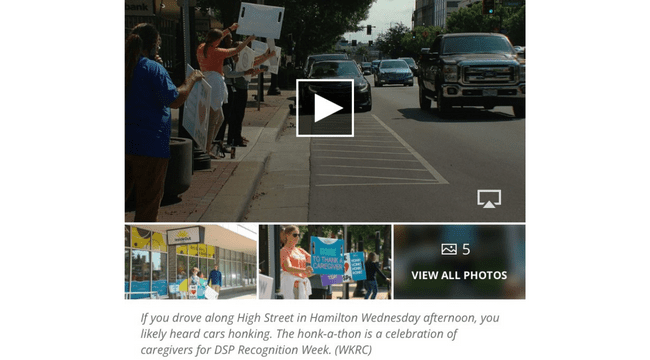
x,y
409,165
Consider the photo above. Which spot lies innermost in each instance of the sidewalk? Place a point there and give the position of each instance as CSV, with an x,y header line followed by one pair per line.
x,y
337,292
223,192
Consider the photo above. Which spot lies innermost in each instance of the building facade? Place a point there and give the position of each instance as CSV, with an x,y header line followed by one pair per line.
x,y
151,265
435,12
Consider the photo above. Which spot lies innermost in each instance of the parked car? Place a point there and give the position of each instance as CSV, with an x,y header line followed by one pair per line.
x,y
338,69
412,65
367,68
395,71
313,58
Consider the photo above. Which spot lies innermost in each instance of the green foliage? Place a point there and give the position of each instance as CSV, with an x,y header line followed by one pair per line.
x,y
314,25
398,41
391,41
509,19
357,232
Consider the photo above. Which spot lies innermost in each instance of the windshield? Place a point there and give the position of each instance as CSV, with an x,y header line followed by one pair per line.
x,y
393,64
334,69
476,45
409,61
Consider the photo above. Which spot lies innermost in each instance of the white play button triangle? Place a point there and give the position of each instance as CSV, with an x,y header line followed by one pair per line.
x,y
323,108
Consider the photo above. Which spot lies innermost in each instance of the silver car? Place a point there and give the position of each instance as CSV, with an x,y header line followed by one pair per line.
x,y
393,72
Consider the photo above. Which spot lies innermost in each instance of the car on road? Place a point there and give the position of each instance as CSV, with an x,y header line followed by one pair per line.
x,y
367,68
412,65
375,65
313,58
394,71
334,91
472,69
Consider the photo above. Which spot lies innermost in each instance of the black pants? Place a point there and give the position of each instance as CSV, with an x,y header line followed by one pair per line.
x,y
238,111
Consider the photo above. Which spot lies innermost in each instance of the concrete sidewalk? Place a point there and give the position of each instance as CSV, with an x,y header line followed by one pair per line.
x,y
223,192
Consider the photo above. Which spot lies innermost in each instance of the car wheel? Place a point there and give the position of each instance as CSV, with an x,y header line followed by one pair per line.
x,y
425,103
520,111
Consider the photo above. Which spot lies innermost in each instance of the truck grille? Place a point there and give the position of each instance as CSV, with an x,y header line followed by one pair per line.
x,y
479,75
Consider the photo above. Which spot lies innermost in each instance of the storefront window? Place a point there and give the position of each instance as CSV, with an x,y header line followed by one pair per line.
x,y
140,273
127,269
159,273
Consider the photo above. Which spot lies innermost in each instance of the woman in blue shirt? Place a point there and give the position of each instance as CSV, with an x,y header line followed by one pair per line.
x,y
149,95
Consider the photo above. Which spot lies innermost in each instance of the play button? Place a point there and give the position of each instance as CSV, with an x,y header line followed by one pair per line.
x,y
324,108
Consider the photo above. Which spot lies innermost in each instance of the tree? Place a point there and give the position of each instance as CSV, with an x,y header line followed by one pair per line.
x,y
314,25
424,36
391,41
510,20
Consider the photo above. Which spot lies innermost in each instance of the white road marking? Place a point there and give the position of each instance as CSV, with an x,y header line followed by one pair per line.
x,y
374,168
422,160
375,177
368,152
348,158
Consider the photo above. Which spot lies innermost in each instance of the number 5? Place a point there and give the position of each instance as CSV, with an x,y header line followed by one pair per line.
x,y
466,247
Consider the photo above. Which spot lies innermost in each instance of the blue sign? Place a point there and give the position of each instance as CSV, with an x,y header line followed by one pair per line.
x,y
326,256
354,266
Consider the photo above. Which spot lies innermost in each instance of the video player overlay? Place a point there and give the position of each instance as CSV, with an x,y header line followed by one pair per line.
x,y
325,108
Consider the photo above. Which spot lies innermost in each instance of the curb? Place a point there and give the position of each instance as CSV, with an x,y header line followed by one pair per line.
x,y
232,201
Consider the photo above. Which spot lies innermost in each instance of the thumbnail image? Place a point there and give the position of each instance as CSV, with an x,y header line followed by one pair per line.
x,y
214,262
460,262
325,262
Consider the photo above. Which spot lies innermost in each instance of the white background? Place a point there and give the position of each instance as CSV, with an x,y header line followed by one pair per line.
x,y
587,197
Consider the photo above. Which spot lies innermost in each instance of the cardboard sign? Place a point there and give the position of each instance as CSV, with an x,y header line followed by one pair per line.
x,y
246,60
260,20
193,291
274,61
196,112
326,256
354,267
331,279
210,294
265,286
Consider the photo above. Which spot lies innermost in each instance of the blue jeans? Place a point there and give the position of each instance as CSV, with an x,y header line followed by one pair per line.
x,y
371,287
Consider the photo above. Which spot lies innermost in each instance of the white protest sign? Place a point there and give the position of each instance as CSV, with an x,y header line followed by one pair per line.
x,y
260,20
196,111
192,291
210,294
259,47
274,61
265,286
246,60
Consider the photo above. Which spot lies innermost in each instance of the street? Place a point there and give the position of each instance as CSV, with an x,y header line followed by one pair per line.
x,y
409,165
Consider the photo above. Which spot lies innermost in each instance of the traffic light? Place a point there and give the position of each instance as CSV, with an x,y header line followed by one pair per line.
x,y
369,29
488,7
354,43
413,34
369,42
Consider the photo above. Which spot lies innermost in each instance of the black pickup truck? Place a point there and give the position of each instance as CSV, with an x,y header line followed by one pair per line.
x,y
472,69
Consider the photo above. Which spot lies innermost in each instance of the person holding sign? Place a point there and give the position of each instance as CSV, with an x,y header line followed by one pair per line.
x,y
150,93
240,92
294,282
372,269
211,58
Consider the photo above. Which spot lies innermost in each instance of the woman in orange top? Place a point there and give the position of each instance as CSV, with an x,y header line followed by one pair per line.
x,y
211,57
296,268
